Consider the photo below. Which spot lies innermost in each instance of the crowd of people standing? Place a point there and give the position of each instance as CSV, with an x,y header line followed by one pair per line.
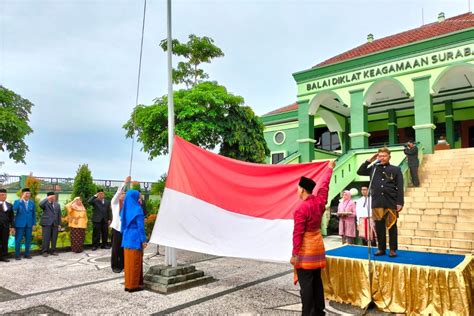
x,y
124,214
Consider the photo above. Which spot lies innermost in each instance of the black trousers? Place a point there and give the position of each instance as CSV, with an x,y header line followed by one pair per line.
x,y
312,292
414,176
4,235
50,237
116,259
381,231
100,229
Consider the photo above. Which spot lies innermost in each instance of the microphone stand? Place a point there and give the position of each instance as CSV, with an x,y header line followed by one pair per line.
x,y
369,231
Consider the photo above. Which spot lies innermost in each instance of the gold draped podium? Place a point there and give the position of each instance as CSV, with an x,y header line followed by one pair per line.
x,y
401,288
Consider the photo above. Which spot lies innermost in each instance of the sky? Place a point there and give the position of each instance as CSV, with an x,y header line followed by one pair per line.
x,y
77,62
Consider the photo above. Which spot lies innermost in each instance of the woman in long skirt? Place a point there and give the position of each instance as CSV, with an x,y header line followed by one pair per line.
x,y
133,241
347,215
77,222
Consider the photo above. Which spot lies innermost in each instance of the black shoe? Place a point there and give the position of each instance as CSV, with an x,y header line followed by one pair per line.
x,y
379,253
138,289
116,270
94,248
4,259
17,258
105,247
28,257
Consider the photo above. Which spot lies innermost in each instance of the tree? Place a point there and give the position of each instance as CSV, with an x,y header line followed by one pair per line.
x,y
14,118
206,115
157,188
83,184
196,51
244,136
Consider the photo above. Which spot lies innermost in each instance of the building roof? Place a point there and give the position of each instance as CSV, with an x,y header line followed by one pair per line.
x,y
287,108
425,32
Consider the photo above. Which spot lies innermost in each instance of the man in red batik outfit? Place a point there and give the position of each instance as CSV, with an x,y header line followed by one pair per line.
x,y
308,257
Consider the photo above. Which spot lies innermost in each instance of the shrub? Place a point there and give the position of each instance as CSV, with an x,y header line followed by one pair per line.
x,y
34,185
37,235
158,188
149,224
83,184
152,206
135,185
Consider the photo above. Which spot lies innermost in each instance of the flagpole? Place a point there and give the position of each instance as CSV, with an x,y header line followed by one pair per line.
x,y
170,253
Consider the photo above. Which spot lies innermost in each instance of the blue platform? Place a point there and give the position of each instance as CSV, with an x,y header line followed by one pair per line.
x,y
437,260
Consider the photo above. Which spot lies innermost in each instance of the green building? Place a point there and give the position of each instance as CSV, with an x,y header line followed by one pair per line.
x,y
416,84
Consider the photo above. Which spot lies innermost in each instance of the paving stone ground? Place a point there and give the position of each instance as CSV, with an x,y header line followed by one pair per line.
x,y
85,284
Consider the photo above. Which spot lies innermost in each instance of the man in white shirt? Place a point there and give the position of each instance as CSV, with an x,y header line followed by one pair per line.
x,y
363,216
116,259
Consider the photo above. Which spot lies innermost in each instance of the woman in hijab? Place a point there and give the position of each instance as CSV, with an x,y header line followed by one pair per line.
x,y
77,222
347,213
133,241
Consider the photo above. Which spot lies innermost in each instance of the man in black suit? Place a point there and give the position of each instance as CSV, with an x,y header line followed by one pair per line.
x,y
101,219
6,224
387,198
411,151
50,224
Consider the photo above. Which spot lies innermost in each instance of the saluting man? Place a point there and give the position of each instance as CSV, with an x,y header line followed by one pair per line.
x,y
101,218
25,221
387,198
50,223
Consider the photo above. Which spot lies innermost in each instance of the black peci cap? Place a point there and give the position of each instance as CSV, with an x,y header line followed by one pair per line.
x,y
307,184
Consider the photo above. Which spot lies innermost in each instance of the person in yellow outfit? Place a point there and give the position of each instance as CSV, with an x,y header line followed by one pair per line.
x,y
77,221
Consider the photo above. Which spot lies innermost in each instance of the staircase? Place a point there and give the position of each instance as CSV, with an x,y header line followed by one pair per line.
x,y
439,215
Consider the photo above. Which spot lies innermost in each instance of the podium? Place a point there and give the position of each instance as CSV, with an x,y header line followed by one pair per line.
x,y
412,283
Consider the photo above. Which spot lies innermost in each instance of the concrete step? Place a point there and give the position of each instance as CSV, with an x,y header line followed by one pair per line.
x,y
435,191
451,152
439,205
434,249
429,218
433,233
469,227
460,244
464,226
438,199
438,216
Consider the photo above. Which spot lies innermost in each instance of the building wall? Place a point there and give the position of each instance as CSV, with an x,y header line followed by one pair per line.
x,y
418,83
290,129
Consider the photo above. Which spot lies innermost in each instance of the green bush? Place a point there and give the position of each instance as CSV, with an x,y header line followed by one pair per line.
x,y
149,224
152,207
158,188
83,184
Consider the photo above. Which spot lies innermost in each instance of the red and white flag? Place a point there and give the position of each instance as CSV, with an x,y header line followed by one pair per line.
x,y
221,206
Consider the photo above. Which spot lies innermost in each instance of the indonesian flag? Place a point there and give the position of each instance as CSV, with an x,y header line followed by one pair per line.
x,y
221,206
